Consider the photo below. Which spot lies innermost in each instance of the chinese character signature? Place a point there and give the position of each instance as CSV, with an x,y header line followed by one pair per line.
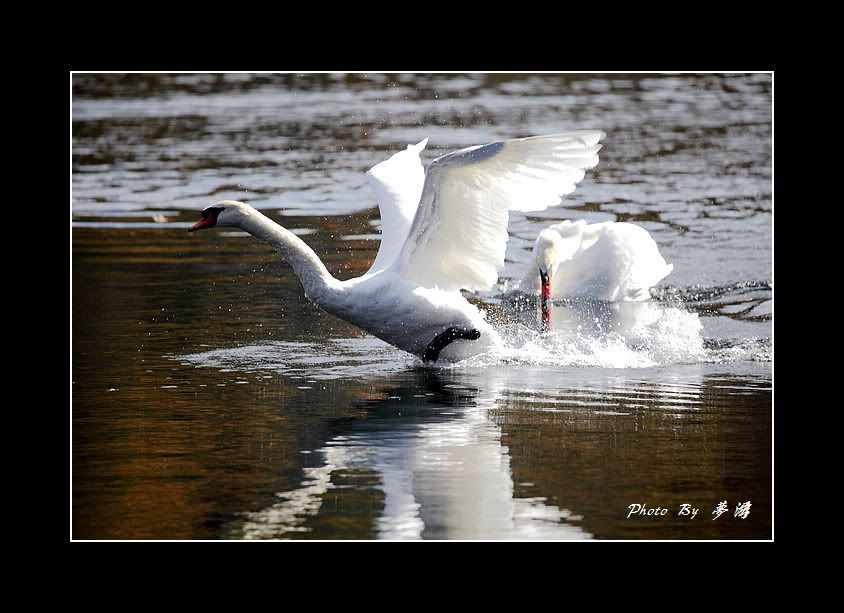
x,y
742,509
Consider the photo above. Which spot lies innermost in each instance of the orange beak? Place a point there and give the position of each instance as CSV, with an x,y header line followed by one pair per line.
x,y
209,220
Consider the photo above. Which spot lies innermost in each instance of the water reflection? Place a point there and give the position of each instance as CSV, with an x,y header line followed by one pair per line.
x,y
442,469
555,455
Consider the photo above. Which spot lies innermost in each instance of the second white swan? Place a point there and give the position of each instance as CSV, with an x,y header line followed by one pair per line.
x,y
608,261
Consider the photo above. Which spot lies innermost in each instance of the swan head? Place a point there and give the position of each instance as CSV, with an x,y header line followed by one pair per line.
x,y
547,251
226,213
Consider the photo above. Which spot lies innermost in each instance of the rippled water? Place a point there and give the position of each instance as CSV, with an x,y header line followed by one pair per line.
x,y
211,400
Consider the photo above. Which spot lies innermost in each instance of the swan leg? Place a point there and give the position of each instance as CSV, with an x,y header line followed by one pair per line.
x,y
443,340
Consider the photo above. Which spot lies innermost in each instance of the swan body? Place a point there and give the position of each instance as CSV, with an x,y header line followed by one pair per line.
x,y
609,261
410,317
444,229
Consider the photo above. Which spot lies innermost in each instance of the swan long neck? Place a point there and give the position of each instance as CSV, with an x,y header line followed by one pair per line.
x,y
316,280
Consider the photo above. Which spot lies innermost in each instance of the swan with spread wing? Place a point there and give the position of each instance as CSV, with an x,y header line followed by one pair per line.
x,y
443,229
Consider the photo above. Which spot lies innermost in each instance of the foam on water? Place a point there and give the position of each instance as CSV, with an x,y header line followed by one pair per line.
x,y
662,336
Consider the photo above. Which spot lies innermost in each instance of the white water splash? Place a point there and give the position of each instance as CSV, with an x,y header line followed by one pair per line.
x,y
632,336
607,336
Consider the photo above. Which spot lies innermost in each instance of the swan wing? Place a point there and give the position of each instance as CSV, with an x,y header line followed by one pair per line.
x,y
397,183
459,233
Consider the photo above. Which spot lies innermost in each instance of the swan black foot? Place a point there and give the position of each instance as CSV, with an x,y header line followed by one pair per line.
x,y
443,340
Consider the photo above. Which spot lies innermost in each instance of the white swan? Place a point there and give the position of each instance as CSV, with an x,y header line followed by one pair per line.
x,y
443,229
609,261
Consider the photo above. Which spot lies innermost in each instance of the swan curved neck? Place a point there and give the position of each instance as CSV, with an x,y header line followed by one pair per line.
x,y
315,278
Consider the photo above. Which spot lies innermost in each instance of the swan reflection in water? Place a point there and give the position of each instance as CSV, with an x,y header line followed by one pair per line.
x,y
443,470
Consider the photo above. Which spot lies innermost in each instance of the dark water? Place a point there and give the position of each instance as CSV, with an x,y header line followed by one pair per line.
x,y
211,400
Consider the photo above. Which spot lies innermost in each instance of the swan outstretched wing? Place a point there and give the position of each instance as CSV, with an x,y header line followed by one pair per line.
x,y
397,183
459,233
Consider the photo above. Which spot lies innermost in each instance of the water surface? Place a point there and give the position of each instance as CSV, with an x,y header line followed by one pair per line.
x,y
211,400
